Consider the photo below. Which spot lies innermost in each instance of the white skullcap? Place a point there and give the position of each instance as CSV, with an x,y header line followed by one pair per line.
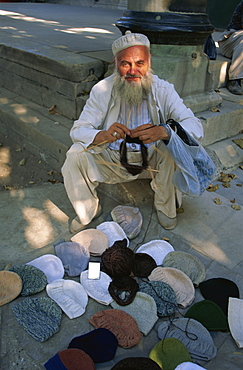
x,y
51,265
128,40
235,319
97,289
113,231
69,295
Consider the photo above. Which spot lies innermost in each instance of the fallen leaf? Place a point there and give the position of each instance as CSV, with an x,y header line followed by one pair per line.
x,y
212,187
19,149
180,210
39,161
166,239
53,181
236,207
240,185
215,109
239,142
233,200
52,110
226,184
241,167
22,162
31,182
50,173
217,201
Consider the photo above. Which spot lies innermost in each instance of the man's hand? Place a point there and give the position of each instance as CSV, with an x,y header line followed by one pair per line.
x,y
149,133
115,132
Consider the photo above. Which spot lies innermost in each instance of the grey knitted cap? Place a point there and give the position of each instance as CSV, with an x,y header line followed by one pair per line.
x,y
192,334
74,256
129,218
40,317
34,280
187,263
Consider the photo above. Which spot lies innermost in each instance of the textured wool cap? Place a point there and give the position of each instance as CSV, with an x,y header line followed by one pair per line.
x,y
143,309
51,265
169,353
121,324
123,289
136,363
178,280
71,359
97,288
100,344
117,260
235,319
113,231
187,263
74,256
143,265
219,290
40,317
128,40
189,366
129,218
69,295
209,314
10,286
33,279
157,249
95,241
163,294
192,334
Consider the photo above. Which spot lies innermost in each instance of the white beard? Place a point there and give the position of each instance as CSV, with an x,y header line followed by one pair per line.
x,y
133,93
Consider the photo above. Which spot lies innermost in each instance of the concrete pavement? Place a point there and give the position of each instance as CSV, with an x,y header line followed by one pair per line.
x,y
34,219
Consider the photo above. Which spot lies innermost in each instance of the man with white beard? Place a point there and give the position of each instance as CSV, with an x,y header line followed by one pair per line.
x,y
123,132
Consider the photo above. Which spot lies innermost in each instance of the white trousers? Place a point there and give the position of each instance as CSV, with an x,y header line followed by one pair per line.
x,y
232,48
83,171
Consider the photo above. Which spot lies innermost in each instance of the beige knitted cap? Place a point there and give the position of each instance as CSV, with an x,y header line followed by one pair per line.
x,y
10,286
95,241
178,280
128,40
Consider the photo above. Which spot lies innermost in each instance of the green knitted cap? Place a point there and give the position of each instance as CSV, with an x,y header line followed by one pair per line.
x,y
209,314
169,353
34,280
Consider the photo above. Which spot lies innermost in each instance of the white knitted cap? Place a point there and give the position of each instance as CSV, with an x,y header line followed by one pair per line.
x,y
69,295
178,280
189,366
157,249
98,288
143,309
128,40
235,319
51,265
113,231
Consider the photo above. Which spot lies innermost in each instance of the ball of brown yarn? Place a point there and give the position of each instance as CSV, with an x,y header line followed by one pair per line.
x,y
123,289
117,260
143,264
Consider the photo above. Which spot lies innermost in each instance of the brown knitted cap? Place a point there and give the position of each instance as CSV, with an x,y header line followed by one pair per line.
x,y
76,359
10,286
117,260
120,323
123,290
143,264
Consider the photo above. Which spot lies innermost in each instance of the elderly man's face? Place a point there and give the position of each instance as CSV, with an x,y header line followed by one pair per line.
x,y
133,63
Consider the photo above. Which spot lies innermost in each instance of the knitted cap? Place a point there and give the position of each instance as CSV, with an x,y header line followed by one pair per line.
x,y
10,286
143,265
71,359
209,314
163,294
135,363
95,241
51,265
100,344
187,263
97,288
33,279
157,249
40,317
129,218
143,309
178,280
69,295
123,290
192,334
169,353
235,319
128,40
219,290
121,324
113,231
74,256
117,260
189,366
